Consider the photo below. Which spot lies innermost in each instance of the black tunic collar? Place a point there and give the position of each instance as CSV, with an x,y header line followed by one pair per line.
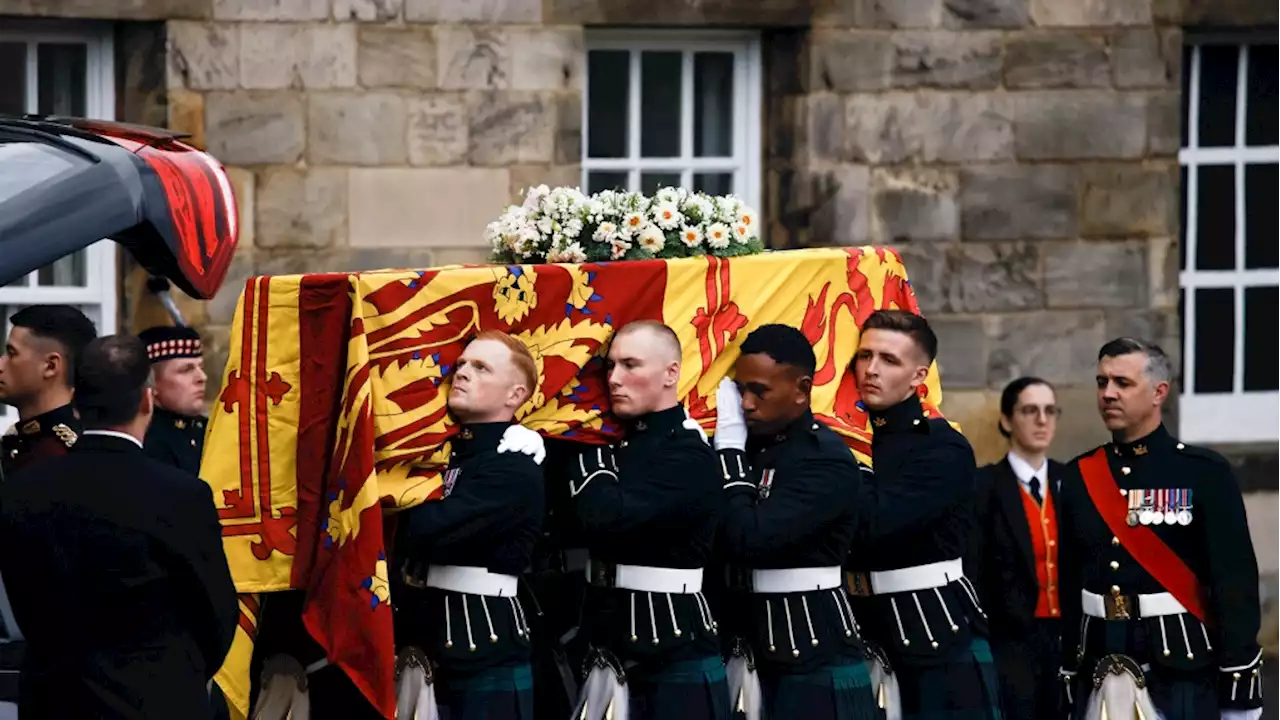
x,y
476,438
906,416
660,422
44,423
1158,440
178,420
802,426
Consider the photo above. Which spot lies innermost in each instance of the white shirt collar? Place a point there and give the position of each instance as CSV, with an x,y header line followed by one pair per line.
x,y
1023,470
114,434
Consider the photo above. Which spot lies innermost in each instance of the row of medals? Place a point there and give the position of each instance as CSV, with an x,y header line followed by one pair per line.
x,y
1159,507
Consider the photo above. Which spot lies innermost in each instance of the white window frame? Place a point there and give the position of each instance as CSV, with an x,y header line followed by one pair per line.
x,y
99,296
1239,416
747,101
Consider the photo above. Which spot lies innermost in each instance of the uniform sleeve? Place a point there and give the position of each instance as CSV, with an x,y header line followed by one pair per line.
x,y
489,499
1070,557
976,563
802,500
640,492
934,479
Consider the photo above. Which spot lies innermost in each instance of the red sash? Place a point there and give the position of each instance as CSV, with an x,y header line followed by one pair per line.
x,y
1142,543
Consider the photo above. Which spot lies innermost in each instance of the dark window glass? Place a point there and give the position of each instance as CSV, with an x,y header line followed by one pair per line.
x,y
1260,119
1219,67
1261,321
1215,217
62,71
13,78
1182,206
713,183
1187,52
1215,340
713,104
608,77
650,182
1262,234
597,181
661,78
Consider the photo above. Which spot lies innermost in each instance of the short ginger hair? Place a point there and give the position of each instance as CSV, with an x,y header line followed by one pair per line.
x,y
520,357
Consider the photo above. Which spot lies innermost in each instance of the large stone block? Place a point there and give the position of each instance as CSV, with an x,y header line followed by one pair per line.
x,y
929,127
1128,199
568,128
546,58
945,59
838,200
254,127
397,57
847,61
366,259
274,56
977,412
473,11
1079,125
1101,274
914,204
244,188
424,207
820,123
1164,123
1229,13
302,208
984,13
1147,59
1060,347
1090,13
186,115
203,56
1013,202
962,352
680,13
511,127
367,10
928,274
1162,273
109,9
366,128
1057,59
473,58
141,73
524,177
222,308
294,10
438,129
994,278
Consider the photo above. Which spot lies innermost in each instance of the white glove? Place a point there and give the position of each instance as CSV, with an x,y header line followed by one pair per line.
x,y
731,426
691,424
520,439
1254,714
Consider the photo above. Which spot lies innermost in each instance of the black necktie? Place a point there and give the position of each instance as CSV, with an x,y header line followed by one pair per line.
x,y
1034,484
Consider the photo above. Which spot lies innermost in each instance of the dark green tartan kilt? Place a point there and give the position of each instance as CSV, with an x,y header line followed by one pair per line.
x,y
682,690
838,692
966,688
498,693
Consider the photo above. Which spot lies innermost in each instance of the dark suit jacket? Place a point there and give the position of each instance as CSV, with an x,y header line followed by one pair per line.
x,y
114,566
1001,557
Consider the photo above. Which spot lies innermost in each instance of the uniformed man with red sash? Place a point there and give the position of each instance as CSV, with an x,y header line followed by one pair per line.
x,y
1155,545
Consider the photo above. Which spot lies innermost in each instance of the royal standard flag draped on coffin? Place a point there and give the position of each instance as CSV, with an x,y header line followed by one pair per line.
x,y
333,402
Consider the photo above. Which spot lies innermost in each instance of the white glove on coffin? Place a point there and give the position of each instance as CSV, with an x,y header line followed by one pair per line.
x,y
731,426
520,439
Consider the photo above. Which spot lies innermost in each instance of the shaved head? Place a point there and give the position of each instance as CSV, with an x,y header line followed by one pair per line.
x,y
644,369
660,341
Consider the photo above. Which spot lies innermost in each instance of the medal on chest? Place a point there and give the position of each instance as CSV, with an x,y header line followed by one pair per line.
x,y
450,478
766,483
1170,506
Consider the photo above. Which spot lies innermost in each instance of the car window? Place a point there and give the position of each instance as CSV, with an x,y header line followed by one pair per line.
x,y
25,164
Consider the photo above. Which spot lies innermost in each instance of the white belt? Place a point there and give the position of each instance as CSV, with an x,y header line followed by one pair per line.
x,y
1095,605
471,580
792,580
920,577
576,559
676,581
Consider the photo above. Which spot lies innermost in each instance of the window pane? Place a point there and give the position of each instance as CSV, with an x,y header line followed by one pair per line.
x,y
1261,366
660,84
62,70
1218,69
597,181
713,104
1187,52
67,271
1182,246
651,182
1215,218
13,78
1215,340
1261,105
713,183
608,77
1262,234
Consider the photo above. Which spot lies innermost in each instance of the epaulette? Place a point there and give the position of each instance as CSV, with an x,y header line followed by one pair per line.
x,y
65,434
1202,453
933,425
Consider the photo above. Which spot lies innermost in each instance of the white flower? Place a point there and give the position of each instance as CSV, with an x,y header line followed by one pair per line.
x,y
748,218
606,232
691,235
572,253
573,228
743,233
727,208
718,236
667,216
545,225
632,223
652,239
618,248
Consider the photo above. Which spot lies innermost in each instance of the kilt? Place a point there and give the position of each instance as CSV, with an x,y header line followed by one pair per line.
x,y
682,690
966,688
498,693
838,692
1177,695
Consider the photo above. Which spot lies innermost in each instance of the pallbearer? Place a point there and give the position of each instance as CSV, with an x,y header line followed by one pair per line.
x,y
458,619
176,435
649,506
792,490
1159,578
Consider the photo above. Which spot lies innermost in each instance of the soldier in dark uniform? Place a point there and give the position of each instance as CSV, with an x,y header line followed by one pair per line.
x,y
650,507
908,579
37,374
1159,578
176,435
128,611
461,557
792,491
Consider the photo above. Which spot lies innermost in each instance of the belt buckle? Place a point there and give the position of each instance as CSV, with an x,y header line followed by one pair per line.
x,y
1119,607
413,576
603,574
859,583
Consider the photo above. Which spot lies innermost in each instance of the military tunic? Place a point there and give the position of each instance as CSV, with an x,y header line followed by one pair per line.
x,y
176,440
792,514
1196,668
482,531
654,502
906,565
49,434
